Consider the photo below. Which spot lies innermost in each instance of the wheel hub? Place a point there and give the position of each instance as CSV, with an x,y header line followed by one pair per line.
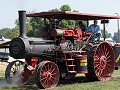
x,y
49,75
103,61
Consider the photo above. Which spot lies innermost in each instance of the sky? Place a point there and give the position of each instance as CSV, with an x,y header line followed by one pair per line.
x,y
9,9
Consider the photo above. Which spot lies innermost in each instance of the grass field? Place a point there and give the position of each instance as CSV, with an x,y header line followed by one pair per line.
x,y
79,83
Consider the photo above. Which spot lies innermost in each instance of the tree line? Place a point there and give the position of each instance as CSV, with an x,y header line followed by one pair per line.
x,y
34,25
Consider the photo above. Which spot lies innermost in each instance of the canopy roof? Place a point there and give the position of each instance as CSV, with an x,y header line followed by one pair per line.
x,y
72,16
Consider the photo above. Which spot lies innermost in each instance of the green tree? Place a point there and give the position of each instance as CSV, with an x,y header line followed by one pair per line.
x,y
108,35
65,8
67,23
54,10
28,26
116,37
37,26
7,33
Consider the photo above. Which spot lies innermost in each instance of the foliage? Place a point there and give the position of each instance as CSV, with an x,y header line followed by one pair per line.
x,y
65,8
37,26
8,33
54,10
116,37
108,35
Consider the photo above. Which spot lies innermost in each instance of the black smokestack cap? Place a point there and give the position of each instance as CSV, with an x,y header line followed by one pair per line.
x,y
22,23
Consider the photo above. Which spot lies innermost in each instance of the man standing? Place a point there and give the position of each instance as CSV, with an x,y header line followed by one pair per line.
x,y
95,30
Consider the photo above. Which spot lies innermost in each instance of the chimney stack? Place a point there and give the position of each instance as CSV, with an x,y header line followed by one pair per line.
x,y
22,23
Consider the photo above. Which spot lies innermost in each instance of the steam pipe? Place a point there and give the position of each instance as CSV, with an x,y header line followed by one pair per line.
x,y
22,23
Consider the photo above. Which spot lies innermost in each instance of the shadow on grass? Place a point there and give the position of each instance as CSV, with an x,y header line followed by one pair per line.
x,y
81,79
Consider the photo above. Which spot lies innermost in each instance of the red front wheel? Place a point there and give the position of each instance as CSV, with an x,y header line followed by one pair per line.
x,y
47,74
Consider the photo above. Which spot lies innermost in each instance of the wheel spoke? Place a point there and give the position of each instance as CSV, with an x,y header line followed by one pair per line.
x,y
98,52
108,65
12,68
53,78
12,71
97,69
107,54
53,70
108,69
105,74
96,58
97,65
43,78
45,68
106,51
96,62
108,57
44,81
51,81
48,68
98,75
42,70
101,73
16,66
49,84
102,51
108,61
54,74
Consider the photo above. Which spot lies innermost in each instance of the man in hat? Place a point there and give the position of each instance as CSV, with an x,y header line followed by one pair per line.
x,y
95,30
82,26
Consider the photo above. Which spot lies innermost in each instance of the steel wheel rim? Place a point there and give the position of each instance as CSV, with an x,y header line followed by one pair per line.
x,y
104,61
49,75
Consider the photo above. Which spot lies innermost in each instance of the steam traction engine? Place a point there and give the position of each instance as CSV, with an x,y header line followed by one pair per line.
x,y
60,54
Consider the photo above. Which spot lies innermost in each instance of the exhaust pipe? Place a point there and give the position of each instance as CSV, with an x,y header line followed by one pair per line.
x,y
22,23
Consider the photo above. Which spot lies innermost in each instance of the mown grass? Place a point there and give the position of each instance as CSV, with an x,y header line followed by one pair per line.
x,y
79,83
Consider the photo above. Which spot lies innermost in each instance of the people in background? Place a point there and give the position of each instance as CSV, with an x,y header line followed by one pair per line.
x,y
82,26
95,30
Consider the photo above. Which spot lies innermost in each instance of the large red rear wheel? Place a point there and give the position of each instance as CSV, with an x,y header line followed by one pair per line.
x,y
47,74
100,61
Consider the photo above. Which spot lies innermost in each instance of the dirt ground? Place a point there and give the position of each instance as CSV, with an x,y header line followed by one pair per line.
x,y
3,66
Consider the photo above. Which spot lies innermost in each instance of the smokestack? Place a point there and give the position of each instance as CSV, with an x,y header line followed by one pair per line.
x,y
22,23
